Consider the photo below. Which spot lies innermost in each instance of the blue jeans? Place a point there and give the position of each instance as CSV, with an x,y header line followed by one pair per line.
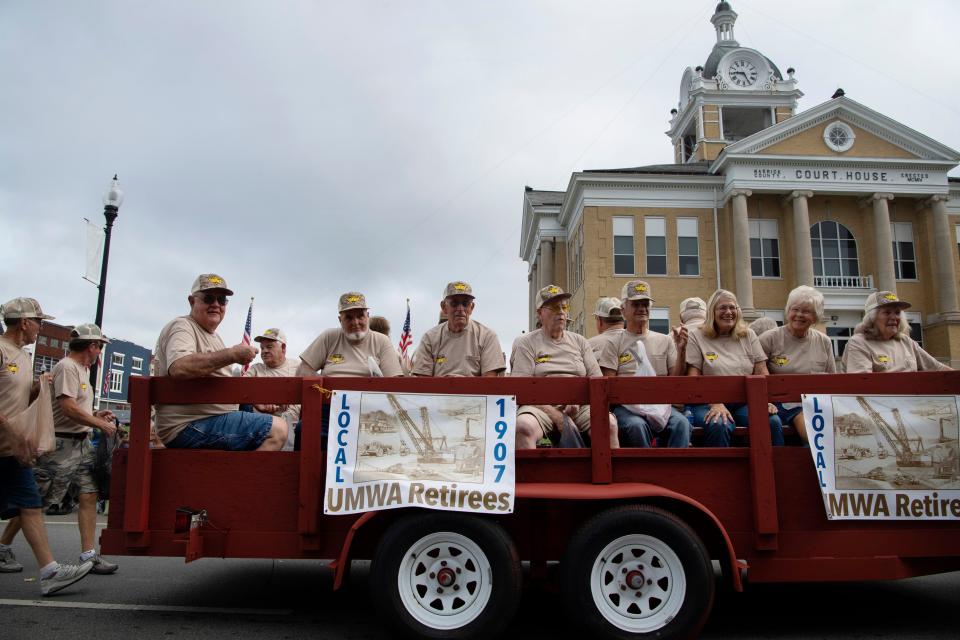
x,y
18,488
324,429
635,431
787,415
717,434
233,431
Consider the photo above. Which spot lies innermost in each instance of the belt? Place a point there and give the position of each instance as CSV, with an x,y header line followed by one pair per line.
x,y
73,436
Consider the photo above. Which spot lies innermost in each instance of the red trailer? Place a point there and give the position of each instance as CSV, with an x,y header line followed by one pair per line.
x,y
635,531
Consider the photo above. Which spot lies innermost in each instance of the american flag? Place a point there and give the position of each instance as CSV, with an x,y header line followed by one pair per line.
x,y
406,338
247,330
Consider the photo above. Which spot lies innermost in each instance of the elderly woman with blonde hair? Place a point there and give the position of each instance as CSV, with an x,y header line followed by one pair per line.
x,y
882,343
725,346
797,347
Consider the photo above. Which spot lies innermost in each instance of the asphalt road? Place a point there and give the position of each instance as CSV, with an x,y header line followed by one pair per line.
x,y
257,599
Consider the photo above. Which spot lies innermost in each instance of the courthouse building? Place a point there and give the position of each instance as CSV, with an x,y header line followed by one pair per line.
x,y
761,199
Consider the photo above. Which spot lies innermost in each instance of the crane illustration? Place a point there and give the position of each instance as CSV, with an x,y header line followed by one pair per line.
x,y
429,448
902,446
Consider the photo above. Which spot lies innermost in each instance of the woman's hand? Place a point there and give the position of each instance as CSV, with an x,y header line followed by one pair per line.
x,y
718,413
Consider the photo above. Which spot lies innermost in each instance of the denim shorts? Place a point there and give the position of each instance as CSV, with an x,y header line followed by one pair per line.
x,y
233,431
18,488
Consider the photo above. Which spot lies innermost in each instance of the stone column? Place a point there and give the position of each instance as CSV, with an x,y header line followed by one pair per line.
x,y
945,273
546,262
532,291
801,237
741,250
886,280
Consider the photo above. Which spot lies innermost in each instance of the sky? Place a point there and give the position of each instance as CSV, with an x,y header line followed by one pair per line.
x,y
305,149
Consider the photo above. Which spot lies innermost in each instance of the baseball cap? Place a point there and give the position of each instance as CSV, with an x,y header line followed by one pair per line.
x,y
272,334
693,311
883,298
23,308
207,281
88,331
550,292
608,308
352,300
458,288
636,290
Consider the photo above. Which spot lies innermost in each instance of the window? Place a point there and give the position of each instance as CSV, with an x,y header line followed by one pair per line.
x,y
834,250
740,122
764,249
660,321
575,260
916,326
116,381
958,238
117,359
904,261
688,246
623,247
839,336
54,343
137,364
655,230
42,340
43,364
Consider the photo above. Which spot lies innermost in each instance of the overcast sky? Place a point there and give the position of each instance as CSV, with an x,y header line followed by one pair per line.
x,y
303,149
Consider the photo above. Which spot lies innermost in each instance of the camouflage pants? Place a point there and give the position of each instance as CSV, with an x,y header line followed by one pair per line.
x,y
71,462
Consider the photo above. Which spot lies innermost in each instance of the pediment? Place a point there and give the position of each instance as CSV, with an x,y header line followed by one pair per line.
x,y
875,136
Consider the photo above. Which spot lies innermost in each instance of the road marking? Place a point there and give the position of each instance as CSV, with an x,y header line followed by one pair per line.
x,y
141,607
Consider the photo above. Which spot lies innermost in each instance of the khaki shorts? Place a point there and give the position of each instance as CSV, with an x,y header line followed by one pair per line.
x,y
581,418
71,462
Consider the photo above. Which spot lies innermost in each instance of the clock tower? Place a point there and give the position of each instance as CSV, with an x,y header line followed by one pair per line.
x,y
737,92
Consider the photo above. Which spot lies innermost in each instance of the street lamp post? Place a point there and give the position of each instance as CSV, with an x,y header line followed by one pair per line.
x,y
112,200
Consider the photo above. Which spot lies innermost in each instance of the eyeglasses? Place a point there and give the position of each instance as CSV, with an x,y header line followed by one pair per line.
x,y
557,308
451,302
39,321
209,298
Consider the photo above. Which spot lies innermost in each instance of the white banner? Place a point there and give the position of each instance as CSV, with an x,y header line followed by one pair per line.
x,y
886,457
393,450
94,255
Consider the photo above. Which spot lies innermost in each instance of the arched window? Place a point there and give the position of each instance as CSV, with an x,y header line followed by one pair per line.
x,y
834,250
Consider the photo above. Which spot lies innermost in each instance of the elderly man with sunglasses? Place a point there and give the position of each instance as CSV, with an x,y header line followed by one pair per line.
x,y
553,351
460,346
189,347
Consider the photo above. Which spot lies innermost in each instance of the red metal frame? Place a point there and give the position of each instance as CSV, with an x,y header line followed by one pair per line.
x,y
753,502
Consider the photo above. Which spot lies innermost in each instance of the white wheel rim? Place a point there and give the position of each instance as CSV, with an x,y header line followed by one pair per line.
x,y
638,583
445,580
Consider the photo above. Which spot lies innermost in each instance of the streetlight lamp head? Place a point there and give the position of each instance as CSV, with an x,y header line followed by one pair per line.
x,y
114,195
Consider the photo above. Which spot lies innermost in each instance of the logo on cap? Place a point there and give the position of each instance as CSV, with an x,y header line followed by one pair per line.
x,y
352,299
269,332
460,286
553,289
640,287
890,297
215,280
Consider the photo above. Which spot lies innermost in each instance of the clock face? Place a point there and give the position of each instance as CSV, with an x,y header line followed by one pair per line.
x,y
742,72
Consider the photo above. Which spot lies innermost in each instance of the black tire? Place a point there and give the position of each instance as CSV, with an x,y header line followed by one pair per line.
x,y
638,572
419,554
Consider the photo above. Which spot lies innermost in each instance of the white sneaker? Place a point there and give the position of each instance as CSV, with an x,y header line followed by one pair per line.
x,y
64,577
8,562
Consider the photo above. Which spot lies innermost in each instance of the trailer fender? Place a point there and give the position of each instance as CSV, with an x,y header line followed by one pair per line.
x,y
621,491
342,561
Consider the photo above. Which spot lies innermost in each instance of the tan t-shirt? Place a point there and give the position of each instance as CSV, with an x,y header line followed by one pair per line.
x,y
333,355
16,380
887,356
286,370
71,379
660,350
183,337
788,354
536,354
472,352
724,355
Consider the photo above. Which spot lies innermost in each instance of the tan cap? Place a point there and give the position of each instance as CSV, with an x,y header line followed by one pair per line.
x,y
693,311
458,288
882,299
549,293
636,290
88,331
608,308
272,334
23,308
352,300
208,281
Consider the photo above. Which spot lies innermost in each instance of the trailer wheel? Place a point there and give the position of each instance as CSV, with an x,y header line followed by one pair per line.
x,y
638,572
444,575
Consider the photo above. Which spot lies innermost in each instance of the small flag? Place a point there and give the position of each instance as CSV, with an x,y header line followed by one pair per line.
x,y
105,374
247,330
406,338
